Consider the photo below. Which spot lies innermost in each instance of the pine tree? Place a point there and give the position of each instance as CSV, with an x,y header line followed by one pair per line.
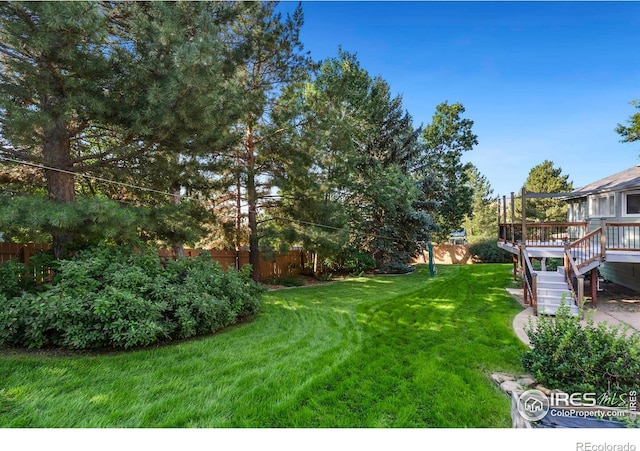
x,y
134,91
545,178
482,223
442,174
272,60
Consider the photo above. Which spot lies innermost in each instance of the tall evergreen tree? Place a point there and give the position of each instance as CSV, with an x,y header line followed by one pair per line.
x,y
545,178
482,223
272,60
363,143
55,76
441,173
123,89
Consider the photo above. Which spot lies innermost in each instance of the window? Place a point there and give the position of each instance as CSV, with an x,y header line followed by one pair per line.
x,y
578,210
602,206
632,204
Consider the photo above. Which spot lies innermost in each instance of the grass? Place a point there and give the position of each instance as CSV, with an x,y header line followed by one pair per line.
x,y
403,351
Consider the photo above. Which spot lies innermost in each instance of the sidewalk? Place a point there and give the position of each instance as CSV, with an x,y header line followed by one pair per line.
x,y
521,321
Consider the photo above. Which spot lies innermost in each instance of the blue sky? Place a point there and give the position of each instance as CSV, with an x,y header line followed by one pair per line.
x,y
540,80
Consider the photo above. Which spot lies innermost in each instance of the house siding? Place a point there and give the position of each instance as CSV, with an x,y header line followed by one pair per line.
x,y
625,274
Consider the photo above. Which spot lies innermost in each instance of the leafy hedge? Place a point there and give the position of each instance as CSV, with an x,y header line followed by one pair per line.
x,y
487,251
576,358
122,298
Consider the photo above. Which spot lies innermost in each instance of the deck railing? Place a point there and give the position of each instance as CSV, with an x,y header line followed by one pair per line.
x,y
543,234
622,236
619,236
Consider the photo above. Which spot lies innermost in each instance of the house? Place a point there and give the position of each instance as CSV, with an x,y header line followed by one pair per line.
x,y
602,233
458,236
613,201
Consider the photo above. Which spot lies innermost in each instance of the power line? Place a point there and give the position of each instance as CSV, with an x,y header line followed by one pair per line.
x,y
132,186
93,177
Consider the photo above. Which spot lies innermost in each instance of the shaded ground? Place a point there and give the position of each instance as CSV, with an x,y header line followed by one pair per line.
x,y
614,298
305,281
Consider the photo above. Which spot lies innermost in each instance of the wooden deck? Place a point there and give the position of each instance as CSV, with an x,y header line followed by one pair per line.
x,y
583,252
612,242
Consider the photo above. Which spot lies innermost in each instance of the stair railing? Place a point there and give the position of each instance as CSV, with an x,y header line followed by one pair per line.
x,y
529,280
589,248
571,272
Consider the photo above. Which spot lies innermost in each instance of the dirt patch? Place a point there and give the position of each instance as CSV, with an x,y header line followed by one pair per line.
x,y
614,298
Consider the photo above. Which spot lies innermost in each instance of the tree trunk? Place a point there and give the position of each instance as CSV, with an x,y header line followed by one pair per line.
x,y
252,201
238,215
177,246
56,153
315,264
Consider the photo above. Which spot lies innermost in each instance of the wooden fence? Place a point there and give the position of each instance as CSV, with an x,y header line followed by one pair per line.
x,y
271,264
446,254
20,252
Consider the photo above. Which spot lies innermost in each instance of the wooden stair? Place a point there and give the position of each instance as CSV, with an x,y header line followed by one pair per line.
x,y
553,291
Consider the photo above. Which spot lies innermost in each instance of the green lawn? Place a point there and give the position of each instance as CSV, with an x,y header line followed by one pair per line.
x,y
388,351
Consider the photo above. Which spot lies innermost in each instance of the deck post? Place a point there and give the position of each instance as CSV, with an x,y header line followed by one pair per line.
x,y
603,239
500,232
581,293
594,287
524,215
513,217
534,290
504,209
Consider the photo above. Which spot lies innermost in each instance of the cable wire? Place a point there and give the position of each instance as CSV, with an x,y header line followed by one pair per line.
x,y
129,185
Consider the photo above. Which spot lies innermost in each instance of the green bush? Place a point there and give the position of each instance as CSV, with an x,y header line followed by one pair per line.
x,y
575,358
12,278
287,281
551,264
350,261
488,252
16,277
122,298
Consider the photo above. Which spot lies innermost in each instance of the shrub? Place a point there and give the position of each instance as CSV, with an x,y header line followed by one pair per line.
x,y
350,261
12,277
123,298
488,252
397,268
551,264
573,358
287,281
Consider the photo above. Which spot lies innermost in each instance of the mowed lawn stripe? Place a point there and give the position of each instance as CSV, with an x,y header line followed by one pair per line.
x,y
385,351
